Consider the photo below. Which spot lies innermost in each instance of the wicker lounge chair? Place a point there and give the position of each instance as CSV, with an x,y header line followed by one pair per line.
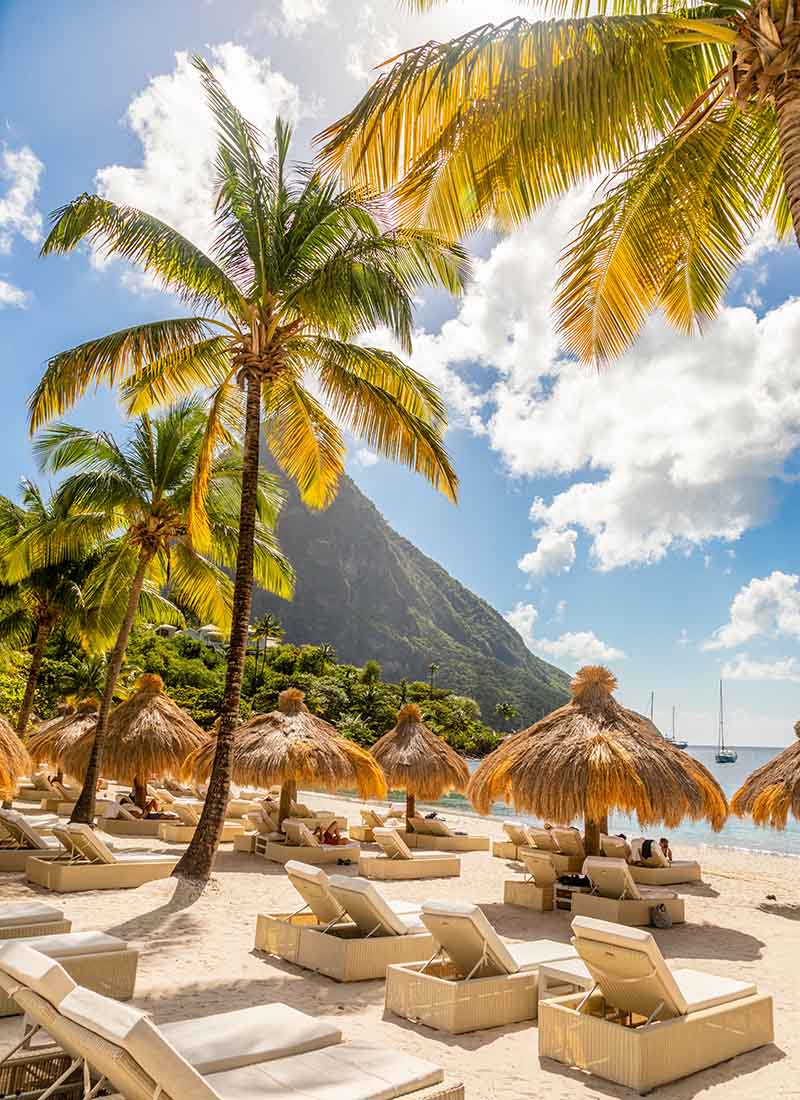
x,y
657,870
372,819
22,837
89,864
645,1025
616,897
436,835
127,824
211,1059
182,830
535,890
614,847
545,841
102,963
397,861
346,930
517,837
39,787
476,980
24,919
258,823
301,844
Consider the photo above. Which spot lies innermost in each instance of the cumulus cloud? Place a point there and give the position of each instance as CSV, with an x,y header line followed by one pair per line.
x,y
171,120
20,173
375,42
554,553
365,457
11,297
573,649
742,667
297,15
765,606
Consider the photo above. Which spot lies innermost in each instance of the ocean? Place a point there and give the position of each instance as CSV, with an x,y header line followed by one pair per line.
x,y
737,833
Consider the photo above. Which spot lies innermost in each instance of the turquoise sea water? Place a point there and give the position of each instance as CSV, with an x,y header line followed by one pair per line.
x,y
737,833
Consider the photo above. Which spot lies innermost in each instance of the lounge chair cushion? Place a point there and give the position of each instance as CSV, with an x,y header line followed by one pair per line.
x,y
313,886
517,833
467,936
611,878
430,827
539,866
71,944
701,990
87,840
569,841
130,1029
229,1040
542,838
36,971
369,910
16,913
393,844
21,826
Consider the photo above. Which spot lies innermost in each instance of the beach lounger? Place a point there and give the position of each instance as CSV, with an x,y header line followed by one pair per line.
x,y
614,847
103,963
211,1059
645,1025
545,841
535,890
436,835
301,844
127,824
60,799
39,787
658,871
569,841
516,838
616,897
25,919
257,823
346,930
372,819
89,864
22,837
182,830
397,861
476,980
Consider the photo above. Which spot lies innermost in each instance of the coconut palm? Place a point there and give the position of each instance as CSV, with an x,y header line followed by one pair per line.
x,y
299,270
265,629
693,111
47,549
146,484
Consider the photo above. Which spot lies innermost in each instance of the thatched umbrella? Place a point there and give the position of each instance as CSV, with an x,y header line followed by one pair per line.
x,y
147,735
51,738
415,760
288,746
593,756
772,790
14,760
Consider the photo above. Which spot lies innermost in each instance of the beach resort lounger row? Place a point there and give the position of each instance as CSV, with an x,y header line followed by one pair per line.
x,y
23,919
260,1052
536,889
188,813
642,1024
22,837
657,870
41,788
300,843
346,930
397,861
435,834
615,896
564,845
87,863
371,819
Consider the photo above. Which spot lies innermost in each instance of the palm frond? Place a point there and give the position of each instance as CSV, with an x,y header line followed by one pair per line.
x,y
178,375
304,441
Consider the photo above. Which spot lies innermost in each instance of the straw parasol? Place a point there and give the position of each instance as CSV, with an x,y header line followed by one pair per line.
x,y
291,745
415,760
147,735
594,756
14,760
46,743
772,790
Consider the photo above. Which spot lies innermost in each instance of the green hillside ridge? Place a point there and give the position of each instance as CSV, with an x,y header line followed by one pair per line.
x,y
374,596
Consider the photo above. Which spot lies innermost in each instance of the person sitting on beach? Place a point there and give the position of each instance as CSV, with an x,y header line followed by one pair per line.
x,y
624,839
649,854
331,834
665,848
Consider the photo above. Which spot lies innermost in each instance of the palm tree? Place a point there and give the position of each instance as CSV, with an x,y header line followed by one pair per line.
x,y
433,670
693,110
298,271
47,548
265,629
146,484
506,712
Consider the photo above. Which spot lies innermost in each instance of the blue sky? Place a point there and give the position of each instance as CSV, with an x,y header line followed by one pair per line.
x,y
646,517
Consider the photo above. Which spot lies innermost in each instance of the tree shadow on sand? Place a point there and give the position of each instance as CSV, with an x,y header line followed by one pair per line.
x,y
145,925
776,909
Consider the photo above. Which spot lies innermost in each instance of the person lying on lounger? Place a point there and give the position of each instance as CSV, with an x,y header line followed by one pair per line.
x,y
665,848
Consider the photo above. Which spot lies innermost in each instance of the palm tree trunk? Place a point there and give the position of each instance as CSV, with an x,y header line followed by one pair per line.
x,y
198,859
411,810
787,103
43,631
288,794
591,837
84,808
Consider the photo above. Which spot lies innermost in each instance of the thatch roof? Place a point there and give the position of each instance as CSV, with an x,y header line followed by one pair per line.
x,y
47,742
147,735
592,757
772,790
291,744
14,760
414,759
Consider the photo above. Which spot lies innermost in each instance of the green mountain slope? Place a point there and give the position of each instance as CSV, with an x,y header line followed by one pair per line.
x,y
373,594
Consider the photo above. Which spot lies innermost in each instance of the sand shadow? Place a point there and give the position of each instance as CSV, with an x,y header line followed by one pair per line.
x,y
695,890
144,925
469,1040
709,941
776,909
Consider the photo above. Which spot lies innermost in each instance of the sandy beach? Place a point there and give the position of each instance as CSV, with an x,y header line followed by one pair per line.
x,y
199,959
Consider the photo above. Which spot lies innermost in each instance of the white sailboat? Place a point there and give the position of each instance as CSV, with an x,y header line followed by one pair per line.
x,y
673,739
724,755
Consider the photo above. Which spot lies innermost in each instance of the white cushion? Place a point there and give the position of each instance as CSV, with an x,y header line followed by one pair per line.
x,y
87,840
530,956
707,990
466,935
312,885
36,971
14,914
70,944
130,1029
366,907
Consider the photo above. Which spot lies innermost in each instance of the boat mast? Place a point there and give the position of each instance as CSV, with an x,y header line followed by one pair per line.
x,y
721,733
673,723
652,700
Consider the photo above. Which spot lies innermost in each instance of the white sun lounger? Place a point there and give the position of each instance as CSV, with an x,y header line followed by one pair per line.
x,y
644,1025
301,844
535,890
476,980
545,841
127,824
89,864
372,819
616,897
397,861
39,787
657,870
516,837
436,835
183,830
25,919
21,837
124,1050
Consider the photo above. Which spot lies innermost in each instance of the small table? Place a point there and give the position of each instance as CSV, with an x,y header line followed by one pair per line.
x,y
563,894
568,972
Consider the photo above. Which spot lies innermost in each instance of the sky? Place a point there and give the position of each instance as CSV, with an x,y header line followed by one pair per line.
x,y
645,516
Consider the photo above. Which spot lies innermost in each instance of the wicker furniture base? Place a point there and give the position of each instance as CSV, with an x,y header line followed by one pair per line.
x,y
66,878
245,842
28,931
667,876
630,912
282,853
30,794
14,859
173,833
528,895
57,806
112,973
505,849
378,867
30,1074
447,843
342,953
362,833
649,1055
564,865
116,826
440,999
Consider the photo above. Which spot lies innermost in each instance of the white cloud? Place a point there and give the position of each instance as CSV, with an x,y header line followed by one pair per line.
x,y
11,297
554,553
560,611
175,181
767,605
20,171
683,637
707,560
572,649
365,457
743,668
297,15
375,42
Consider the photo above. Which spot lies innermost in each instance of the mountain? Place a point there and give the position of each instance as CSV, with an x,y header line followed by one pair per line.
x,y
373,595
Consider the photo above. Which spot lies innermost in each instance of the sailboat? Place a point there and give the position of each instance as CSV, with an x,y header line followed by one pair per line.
x,y
723,755
673,740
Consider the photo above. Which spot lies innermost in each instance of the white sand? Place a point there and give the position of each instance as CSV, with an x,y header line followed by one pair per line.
x,y
200,960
